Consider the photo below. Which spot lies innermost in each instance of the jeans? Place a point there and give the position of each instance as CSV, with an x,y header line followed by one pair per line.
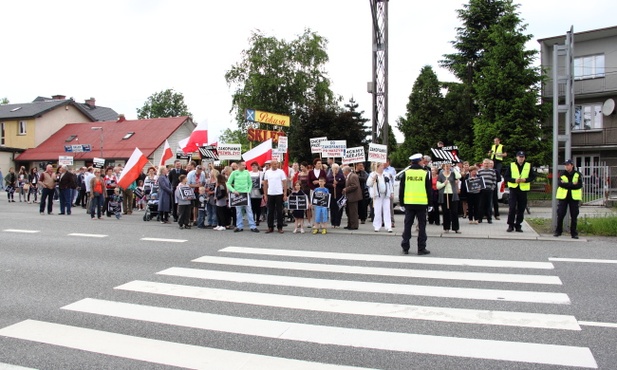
x,y
47,196
212,214
66,200
201,217
96,203
249,216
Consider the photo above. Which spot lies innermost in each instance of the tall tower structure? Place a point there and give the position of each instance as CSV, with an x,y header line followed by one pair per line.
x,y
378,87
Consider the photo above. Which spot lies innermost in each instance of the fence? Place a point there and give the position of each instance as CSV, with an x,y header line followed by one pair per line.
x,y
596,184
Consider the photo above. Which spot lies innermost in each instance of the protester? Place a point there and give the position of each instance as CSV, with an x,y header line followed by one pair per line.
x,y
448,186
381,190
240,182
184,195
174,176
473,196
66,183
353,192
335,182
23,186
298,213
486,194
433,214
111,183
164,195
257,194
10,182
33,179
221,202
321,212
274,192
96,184
48,187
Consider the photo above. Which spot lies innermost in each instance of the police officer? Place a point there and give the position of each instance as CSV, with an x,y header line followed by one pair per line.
x,y
414,192
497,154
569,194
519,177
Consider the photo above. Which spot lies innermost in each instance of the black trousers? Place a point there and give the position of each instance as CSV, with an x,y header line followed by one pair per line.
x,y
486,198
495,202
256,207
363,209
562,208
450,213
518,203
275,206
411,212
184,214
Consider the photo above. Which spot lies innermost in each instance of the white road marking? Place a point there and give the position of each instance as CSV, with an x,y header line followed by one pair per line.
x,y
372,287
396,259
599,324
555,259
399,311
4,366
89,235
151,350
20,231
163,240
362,270
359,338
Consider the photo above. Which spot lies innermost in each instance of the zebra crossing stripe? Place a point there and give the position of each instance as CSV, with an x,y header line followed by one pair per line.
x,y
4,366
429,274
24,232
152,350
395,259
360,338
372,287
582,260
399,311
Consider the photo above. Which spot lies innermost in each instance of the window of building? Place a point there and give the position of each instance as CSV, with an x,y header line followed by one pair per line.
x,y
591,66
2,140
22,127
128,135
588,117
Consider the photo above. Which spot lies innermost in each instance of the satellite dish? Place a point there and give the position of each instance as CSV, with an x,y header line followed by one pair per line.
x,y
608,107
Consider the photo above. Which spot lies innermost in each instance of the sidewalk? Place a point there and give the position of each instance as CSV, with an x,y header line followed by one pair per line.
x,y
496,230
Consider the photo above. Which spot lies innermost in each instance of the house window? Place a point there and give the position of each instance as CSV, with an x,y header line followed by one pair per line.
x,y
588,117
2,140
128,135
22,127
591,66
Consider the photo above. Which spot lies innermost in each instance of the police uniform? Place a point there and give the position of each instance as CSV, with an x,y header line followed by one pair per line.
x,y
497,159
518,191
569,194
414,193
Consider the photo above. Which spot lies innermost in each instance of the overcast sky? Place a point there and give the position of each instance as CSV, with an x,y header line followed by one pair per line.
x,y
122,51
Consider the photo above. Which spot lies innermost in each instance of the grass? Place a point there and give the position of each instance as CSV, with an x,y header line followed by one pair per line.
x,y
598,226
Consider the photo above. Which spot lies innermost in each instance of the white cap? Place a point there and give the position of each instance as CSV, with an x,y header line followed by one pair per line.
x,y
416,157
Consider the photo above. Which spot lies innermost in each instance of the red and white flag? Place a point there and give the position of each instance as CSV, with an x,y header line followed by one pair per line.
x,y
199,137
167,154
260,154
132,169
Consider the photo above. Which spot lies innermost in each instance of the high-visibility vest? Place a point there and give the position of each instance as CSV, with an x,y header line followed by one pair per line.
x,y
415,187
524,186
562,193
499,150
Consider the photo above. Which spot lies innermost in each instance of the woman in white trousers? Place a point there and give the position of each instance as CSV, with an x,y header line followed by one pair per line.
x,y
381,190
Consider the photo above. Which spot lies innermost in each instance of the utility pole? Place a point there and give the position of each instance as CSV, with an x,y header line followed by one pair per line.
x,y
378,87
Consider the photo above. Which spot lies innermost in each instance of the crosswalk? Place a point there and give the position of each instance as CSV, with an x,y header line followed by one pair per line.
x,y
298,288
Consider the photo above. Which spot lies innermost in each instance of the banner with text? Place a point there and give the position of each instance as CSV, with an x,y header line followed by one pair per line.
x,y
316,144
354,155
333,148
377,153
65,160
229,151
283,140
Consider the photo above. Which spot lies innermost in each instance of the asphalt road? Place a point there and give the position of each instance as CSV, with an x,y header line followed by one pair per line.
x,y
82,294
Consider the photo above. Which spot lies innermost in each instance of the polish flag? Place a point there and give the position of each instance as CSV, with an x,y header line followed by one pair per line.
x,y
260,154
132,169
199,137
167,154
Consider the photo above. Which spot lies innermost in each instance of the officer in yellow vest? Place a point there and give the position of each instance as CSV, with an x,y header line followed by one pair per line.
x,y
569,194
519,176
414,193
497,154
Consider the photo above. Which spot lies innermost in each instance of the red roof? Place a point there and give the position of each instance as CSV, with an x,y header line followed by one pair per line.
x,y
149,134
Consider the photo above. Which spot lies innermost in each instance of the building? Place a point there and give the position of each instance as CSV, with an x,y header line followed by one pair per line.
x,y
114,141
594,130
27,125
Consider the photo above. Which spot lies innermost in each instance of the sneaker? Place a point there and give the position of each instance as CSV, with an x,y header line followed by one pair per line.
x,y
302,231
389,230
295,231
324,232
315,230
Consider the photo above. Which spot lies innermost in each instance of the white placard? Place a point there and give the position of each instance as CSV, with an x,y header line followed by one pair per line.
x,y
316,144
229,151
377,153
98,162
333,148
283,140
354,155
65,160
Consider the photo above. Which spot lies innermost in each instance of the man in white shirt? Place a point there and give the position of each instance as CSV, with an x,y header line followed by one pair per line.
x,y
88,175
274,185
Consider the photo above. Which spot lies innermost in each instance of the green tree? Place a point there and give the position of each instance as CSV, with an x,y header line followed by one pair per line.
x,y
282,77
423,125
167,103
4,101
458,119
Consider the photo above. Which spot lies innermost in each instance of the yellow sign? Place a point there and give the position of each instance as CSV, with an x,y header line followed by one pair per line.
x,y
267,117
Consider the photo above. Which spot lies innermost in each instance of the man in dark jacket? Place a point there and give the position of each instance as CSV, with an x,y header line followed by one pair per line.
x,y
174,179
414,193
66,185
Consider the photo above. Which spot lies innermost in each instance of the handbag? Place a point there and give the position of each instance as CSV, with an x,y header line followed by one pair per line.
x,y
26,187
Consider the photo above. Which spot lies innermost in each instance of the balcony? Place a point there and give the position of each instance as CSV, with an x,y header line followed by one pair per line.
x,y
595,138
588,88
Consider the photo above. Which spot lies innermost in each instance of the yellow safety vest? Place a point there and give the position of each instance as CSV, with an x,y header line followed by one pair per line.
x,y
415,188
562,193
499,150
524,186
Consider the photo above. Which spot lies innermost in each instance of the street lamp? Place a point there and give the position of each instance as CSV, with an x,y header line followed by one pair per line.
x,y
101,137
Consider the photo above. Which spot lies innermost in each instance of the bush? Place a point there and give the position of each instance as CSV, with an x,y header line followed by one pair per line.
x,y
599,226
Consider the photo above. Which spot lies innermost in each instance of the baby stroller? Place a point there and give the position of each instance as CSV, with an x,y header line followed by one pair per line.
x,y
152,207
115,205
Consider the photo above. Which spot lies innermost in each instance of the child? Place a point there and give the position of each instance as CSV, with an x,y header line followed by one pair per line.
x,y
321,212
221,201
184,197
141,201
298,213
201,207
473,197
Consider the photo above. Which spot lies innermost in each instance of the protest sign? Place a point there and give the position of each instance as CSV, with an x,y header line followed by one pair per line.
x,y
229,151
475,184
98,162
354,155
242,199
283,140
298,202
377,153
321,199
316,144
65,160
333,148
